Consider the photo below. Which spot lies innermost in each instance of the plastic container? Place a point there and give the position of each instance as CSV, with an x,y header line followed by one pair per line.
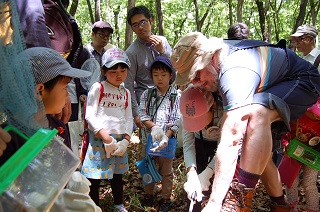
x,y
34,176
148,170
303,153
167,152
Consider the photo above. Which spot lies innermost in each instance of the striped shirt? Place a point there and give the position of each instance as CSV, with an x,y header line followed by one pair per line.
x,y
94,53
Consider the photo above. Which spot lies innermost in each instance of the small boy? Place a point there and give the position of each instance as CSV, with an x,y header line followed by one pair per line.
x,y
52,73
160,114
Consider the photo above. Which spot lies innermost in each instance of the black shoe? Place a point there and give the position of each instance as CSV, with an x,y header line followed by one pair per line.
x,y
164,205
148,200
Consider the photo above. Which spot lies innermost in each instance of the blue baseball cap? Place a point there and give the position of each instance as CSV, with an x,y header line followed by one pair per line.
x,y
167,62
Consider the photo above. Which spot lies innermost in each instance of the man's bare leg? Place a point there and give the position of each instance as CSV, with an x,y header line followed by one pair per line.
x,y
256,149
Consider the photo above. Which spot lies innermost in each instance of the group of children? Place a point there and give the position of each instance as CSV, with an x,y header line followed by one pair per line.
x,y
110,120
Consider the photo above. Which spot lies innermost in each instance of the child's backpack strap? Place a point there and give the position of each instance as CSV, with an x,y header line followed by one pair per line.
x,y
151,93
173,97
126,104
101,91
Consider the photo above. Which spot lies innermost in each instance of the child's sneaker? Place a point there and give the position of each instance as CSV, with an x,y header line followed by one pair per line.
x,y
164,205
120,208
148,200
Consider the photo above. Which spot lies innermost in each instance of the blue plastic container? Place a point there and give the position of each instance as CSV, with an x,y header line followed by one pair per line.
x,y
167,152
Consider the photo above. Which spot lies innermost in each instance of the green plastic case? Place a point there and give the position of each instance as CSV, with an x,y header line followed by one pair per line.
x,y
303,153
33,177
13,167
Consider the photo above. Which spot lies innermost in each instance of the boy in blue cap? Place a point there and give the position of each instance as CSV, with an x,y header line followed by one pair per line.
x,y
159,113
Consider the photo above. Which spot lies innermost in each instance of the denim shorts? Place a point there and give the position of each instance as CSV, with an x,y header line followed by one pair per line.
x,y
292,97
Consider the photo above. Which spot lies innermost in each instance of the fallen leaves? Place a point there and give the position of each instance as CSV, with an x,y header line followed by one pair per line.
x,y
133,189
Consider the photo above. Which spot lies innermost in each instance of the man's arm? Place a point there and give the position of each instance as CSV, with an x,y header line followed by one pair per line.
x,y
232,135
129,84
31,14
167,48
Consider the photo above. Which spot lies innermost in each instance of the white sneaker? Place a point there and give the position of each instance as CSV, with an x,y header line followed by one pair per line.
x,y
120,208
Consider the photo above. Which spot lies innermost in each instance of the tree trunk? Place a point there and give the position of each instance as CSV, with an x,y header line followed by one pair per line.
x,y
129,32
97,11
239,10
269,25
90,11
313,12
178,28
73,7
195,3
275,17
199,22
116,25
302,13
205,15
230,13
262,18
160,17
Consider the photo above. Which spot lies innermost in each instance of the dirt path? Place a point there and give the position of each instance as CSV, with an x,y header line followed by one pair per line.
x,y
133,190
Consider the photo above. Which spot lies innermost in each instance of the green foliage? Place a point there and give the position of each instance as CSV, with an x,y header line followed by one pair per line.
x,y
180,18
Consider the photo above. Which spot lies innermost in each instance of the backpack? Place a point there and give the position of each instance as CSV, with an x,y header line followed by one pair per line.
x,y
152,93
59,27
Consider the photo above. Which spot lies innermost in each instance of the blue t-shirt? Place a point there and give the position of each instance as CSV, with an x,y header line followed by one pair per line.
x,y
245,72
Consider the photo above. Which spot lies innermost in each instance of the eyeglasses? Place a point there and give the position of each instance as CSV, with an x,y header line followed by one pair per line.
x,y
103,36
299,39
141,23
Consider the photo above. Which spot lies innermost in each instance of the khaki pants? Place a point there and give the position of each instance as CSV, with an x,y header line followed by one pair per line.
x,y
165,169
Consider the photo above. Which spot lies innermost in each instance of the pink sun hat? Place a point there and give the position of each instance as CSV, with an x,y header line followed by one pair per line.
x,y
195,104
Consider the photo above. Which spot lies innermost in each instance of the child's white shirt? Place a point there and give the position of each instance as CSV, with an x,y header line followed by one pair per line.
x,y
111,112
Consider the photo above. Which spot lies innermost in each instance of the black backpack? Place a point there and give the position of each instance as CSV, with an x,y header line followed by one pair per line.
x,y
65,36
59,27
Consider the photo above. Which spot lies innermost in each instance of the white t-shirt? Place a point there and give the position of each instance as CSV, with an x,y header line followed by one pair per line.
x,y
311,57
113,113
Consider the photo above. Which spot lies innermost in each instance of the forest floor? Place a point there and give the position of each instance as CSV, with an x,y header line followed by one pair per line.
x,y
133,189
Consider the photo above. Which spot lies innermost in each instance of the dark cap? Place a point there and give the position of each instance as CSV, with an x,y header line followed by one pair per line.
x,y
305,30
168,63
102,25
